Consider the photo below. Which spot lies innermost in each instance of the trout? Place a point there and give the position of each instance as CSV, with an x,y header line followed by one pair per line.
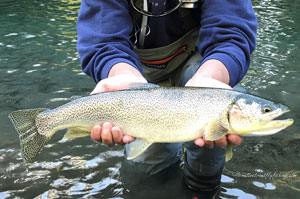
x,y
153,115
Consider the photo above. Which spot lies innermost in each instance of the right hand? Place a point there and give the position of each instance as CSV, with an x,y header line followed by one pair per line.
x,y
214,74
120,77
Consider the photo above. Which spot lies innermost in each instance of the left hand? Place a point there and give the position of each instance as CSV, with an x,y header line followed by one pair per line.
x,y
213,74
120,77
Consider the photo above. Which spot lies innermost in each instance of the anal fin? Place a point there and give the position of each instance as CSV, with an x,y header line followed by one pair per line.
x,y
75,133
136,148
143,85
215,131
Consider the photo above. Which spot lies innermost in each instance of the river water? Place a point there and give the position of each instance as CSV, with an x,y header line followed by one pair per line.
x,y
39,67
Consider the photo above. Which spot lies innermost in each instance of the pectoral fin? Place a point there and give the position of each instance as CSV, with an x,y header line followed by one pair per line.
x,y
214,131
229,154
136,148
75,133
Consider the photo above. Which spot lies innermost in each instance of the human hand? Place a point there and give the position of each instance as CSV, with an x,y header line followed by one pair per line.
x,y
213,74
120,77
109,134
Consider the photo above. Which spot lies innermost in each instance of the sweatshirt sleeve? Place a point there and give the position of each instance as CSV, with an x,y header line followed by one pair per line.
x,y
228,34
103,29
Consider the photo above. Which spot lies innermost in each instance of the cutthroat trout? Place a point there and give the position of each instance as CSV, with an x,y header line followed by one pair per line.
x,y
153,115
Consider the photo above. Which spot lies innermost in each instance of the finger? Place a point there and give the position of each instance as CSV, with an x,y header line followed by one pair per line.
x,y
96,133
222,142
100,88
106,134
117,135
127,139
235,139
199,141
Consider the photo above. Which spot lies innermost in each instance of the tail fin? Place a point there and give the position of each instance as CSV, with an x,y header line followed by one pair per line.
x,y
31,141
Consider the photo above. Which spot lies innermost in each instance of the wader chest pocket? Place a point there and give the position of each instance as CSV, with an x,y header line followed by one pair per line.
x,y
159,63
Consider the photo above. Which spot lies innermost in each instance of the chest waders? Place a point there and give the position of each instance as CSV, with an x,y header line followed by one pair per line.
x,y
169,65
163,64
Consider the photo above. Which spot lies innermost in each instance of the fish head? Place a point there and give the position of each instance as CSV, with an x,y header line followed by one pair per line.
x,y
253,116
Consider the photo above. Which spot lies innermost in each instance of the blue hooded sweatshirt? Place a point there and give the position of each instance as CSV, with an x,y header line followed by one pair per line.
x,y
227,33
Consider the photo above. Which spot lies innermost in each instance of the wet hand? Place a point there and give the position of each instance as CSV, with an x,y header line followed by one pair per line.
x,y
110,135
119,82
223,142
228,139
120,77
207,82
213,74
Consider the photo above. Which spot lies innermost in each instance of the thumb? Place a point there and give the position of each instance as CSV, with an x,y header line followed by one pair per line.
x,y
100,88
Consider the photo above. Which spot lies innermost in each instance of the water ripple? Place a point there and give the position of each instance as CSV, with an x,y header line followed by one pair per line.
x,y
267,186
237,193
40,68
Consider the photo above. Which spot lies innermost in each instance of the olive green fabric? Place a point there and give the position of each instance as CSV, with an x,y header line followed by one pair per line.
x,y
157,73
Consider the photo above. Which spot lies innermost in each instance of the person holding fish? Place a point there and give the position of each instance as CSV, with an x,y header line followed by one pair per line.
x,y
192,43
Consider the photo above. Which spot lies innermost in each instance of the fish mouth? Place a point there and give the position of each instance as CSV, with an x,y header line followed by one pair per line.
x,y
273,126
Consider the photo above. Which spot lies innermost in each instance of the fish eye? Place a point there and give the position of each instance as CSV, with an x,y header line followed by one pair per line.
x,y
266,109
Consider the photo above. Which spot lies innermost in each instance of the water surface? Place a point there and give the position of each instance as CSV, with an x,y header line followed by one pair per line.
x,y
39,67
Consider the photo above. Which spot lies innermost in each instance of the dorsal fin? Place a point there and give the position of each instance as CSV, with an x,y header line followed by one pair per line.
x,y
143,85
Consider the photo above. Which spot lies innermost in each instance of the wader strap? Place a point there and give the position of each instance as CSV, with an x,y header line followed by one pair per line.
x,y
143,26
186,16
